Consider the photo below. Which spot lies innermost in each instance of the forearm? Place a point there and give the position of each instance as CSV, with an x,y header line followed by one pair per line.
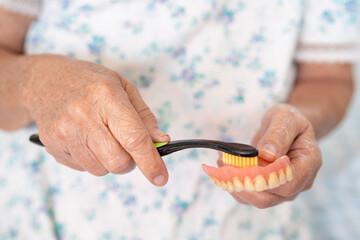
x,y
322,93
14,70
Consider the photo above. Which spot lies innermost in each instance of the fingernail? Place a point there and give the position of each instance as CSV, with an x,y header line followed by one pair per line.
x,y
159,180
270,149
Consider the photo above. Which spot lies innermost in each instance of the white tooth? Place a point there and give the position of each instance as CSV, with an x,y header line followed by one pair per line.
x,y
217,182
223,184
273,181
230,187
260,183
289,174
249,186
282,177
238,185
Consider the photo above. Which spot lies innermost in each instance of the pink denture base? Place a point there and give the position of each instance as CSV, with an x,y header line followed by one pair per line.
x,y
227,173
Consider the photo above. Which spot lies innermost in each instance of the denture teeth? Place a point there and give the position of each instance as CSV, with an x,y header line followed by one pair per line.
x,y
248,184
230,187
217,182
224,185
260,183
238,185
273,181
288,173
282,177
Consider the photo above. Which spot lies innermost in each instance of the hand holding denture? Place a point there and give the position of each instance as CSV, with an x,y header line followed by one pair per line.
x,y
289,159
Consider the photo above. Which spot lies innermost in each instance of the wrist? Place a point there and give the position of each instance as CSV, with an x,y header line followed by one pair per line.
x,y
33,85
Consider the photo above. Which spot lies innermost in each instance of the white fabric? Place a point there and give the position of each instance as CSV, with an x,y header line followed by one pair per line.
x,y
330,32
27,7
323,53
207,69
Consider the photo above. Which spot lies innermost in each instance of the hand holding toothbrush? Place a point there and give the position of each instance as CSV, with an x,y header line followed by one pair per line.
x,y
92,119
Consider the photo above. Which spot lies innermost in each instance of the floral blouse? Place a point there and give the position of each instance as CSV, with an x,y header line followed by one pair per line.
x,y
207,69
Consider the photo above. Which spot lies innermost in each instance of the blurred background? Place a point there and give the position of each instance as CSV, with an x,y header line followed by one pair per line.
x,y
333,204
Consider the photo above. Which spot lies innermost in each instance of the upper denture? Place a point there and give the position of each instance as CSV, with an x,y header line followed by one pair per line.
x,y
252,178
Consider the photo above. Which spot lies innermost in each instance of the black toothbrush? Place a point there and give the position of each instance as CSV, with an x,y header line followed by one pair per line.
x,y
236,151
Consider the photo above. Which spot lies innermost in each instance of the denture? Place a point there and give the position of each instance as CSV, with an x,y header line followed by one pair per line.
x,y
259,178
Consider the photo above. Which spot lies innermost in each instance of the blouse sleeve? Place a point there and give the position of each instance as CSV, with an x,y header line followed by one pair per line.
x,y
330,31
27,7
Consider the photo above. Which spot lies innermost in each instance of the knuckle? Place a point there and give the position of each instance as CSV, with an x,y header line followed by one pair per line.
x,y
129,86
118,166
77,110
151,169
134,143
101,91
62,130
262,204
287,192
146,113
99,172
282,135
101,87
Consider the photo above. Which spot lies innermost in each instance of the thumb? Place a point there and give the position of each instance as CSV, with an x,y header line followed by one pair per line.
x,y
144,112
277,140
149,120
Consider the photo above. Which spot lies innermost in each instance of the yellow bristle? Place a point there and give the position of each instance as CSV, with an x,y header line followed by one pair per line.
x,y
235,161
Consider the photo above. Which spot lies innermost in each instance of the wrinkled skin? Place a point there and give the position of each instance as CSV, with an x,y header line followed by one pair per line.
x,y
285,131
92,119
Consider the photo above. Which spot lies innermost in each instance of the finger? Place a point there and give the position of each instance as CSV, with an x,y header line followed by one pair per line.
x,y
65,159
259,199
239,199
284,127
128,129
305,161
144,112
109,152
219,161
82,155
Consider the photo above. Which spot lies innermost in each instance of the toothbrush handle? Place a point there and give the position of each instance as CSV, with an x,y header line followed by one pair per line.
x,y
236,149
166,148
35,139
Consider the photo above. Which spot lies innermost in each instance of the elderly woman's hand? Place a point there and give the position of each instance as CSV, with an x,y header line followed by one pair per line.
x,y
285,131
90,118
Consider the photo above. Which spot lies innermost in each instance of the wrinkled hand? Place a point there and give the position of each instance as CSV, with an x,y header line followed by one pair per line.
x,y
90,118
285,131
